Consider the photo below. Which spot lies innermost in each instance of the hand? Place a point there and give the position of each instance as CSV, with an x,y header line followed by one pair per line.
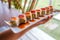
x,y
43,21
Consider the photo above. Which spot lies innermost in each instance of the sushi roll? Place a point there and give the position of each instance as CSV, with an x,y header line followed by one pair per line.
x,y
47,11
28,16
33,12
14,21
22,19
50,9
38,13
43,12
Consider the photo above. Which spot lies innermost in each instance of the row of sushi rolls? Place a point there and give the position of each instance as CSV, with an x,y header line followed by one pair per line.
x,y
28,16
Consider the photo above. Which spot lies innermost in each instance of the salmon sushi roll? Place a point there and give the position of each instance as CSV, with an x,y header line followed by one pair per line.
x,y
51,9
22,19
38,13
28,16
47,11
14,21
43,12
33,14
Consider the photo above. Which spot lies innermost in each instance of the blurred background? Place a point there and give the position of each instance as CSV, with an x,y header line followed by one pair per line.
x,y
52,27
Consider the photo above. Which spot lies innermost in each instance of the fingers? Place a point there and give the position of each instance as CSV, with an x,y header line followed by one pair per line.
x,y
43,21
50,16
46,20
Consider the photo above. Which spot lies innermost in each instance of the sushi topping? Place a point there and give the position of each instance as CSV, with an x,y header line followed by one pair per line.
x,y
21,16
42,8
50,6
47,8
38,10
13,18
33,11
27,13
